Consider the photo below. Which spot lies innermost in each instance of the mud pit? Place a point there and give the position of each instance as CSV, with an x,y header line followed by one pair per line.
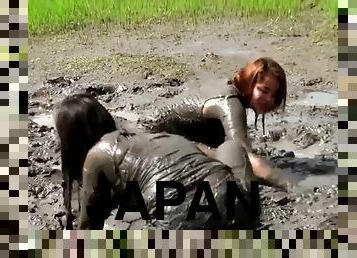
x,y
132,73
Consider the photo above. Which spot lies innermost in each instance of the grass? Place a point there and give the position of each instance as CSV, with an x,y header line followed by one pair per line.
x,y
47,16
331,9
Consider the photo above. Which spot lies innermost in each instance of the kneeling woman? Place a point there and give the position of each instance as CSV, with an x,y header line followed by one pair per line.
x,y
217,114
148,158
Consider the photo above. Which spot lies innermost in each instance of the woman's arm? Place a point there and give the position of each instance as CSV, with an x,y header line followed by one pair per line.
x,y
98,173
269,175
231,112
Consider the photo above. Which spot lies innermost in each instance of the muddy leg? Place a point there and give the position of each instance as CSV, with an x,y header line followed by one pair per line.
x,y
232,154
70,216
67,197
67,188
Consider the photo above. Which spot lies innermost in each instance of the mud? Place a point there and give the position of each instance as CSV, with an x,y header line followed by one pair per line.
x,y
132,73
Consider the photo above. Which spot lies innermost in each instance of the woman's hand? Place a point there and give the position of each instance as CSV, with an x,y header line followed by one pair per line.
x,y
208,151
261,168
269,175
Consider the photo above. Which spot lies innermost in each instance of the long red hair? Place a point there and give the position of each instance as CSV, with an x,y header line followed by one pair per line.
x,y
244,80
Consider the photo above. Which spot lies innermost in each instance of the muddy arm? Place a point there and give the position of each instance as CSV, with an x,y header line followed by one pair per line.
x,y
208,151
233,117
98,172
269,175
233,152
249,167
230,111
234,155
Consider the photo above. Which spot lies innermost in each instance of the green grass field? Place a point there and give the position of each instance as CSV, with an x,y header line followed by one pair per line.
x,y
55,15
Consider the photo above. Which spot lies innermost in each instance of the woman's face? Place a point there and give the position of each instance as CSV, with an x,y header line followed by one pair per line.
x,y
264,94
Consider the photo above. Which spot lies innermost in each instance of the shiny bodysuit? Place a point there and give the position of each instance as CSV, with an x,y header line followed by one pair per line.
x,y
148,158
157,155
215,116
223,105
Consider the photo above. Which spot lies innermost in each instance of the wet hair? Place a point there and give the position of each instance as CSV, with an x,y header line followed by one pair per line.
x,y
244,80
80,121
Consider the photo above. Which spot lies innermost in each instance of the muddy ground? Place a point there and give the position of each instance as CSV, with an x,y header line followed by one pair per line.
x,y
133,72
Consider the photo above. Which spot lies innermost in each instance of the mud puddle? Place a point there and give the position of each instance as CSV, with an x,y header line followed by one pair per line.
x,y
132,117
241,55
318,181
309,172
318,98
43,119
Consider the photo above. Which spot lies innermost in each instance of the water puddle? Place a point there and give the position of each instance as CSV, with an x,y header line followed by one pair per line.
x,y
242,54
47,119
318,98
309,152
33,88
43,119
311,172
127,115
314,180
310,180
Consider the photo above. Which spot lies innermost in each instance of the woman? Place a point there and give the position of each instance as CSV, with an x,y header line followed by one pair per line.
x,y
148,158
80,122
123,156
218,115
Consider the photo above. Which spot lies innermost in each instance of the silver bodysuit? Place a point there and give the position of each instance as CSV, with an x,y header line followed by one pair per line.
x,y
148,158
214,116
206,111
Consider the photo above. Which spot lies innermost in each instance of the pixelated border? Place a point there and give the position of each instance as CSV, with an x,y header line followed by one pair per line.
x,y
347,99
13,74
195,243
13,127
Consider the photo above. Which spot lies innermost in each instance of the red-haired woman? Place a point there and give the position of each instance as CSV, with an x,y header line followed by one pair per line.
x,y
219,115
